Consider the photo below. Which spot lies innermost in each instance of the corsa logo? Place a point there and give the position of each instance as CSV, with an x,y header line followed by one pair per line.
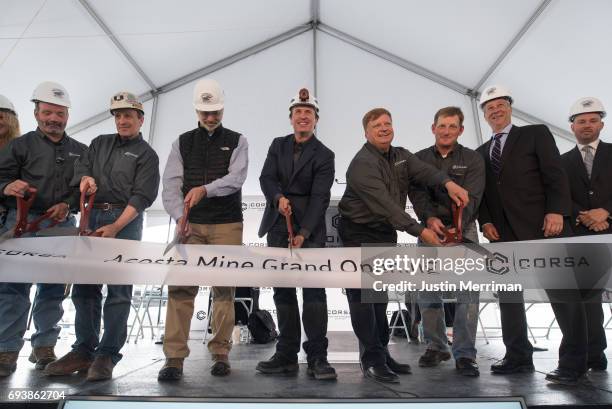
x,y
498,264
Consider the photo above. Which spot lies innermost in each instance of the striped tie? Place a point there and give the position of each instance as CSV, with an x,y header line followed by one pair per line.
x,y
588,159
496,154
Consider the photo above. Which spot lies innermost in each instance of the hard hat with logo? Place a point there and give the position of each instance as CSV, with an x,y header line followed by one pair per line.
x,y
304,98
6,105
586,105
208,96
52,93
124,99
494,92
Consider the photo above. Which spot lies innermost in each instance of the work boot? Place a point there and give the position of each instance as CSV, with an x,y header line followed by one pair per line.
x,y
320,368
101,369
431,357
278,364
8,363
172,370
41,356
73,361
221,365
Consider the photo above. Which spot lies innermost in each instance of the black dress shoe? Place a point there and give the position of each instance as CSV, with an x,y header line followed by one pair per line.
x,y
510,366
398,367
278,364
564,376
467,367
381,373
598,365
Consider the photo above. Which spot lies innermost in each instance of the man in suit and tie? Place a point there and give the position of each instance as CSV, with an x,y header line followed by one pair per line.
x,y
526,197
296,179
589,166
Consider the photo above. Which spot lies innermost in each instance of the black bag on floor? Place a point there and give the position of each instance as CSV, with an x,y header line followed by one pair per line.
x,y
242,313
262,327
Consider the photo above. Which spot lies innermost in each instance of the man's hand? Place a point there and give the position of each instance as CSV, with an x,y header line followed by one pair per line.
x,y
298,241
88,185
490,232
435,224
593,216
284,206
457,193
195,195
16,188
59,211
601,226
178,226
110,230
553,224
430,237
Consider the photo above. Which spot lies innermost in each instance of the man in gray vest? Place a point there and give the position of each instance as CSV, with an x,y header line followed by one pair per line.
x,y
206,169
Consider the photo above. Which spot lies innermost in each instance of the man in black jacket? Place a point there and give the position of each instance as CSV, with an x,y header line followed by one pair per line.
x,y
42,159
526,197
296,179
123,170
372,210
434,209
589,166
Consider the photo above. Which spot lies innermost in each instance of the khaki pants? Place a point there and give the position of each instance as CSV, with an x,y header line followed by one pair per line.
x,y
181,299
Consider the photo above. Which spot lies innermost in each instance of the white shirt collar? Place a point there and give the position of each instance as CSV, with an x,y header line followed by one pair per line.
x,y
593,145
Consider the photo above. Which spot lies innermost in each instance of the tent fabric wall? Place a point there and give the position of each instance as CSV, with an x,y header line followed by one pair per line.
x,y
411,57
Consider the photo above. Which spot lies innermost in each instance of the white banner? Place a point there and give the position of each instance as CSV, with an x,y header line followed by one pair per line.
x,y
89,260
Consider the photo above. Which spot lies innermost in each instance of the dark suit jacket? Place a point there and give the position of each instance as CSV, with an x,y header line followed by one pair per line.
x,y
307,185
589,194
531,183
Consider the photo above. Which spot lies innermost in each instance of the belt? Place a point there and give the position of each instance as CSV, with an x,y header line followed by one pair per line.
x,y
108,206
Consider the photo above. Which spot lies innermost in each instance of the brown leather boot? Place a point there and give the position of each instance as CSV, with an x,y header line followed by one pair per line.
x,y
73,361
101,369
8,362
172,370
221,365
42,356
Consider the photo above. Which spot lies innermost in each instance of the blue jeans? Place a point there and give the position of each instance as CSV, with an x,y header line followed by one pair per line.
x,y
15,304
87,299
466,317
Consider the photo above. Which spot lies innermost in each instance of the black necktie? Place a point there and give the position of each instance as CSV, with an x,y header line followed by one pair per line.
x,y
496,154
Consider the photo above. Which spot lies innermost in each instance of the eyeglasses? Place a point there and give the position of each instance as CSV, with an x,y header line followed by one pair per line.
x,y
205,114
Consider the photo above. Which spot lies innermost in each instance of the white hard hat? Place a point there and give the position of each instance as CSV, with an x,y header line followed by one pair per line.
x,y
7,105
494,92
125,99
585,105
304,98
208,96
52,93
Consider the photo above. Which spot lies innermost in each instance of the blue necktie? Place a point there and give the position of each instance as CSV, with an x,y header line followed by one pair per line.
x,y
496,154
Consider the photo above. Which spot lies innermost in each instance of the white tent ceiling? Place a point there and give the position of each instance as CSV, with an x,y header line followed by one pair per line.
x,y
412,57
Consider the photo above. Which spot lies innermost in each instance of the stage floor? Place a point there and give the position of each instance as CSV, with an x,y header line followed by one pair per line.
x,y
136,375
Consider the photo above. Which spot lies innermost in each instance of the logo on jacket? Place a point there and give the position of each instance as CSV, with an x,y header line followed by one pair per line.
x,y
133,155
459,167
498,264
74,154
225,148
400,162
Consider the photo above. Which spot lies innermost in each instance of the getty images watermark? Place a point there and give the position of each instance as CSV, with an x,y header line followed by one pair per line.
x,y
542,265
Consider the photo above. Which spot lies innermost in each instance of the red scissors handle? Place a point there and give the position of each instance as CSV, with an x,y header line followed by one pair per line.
x,y
23,208
457,235
182,231
85,206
